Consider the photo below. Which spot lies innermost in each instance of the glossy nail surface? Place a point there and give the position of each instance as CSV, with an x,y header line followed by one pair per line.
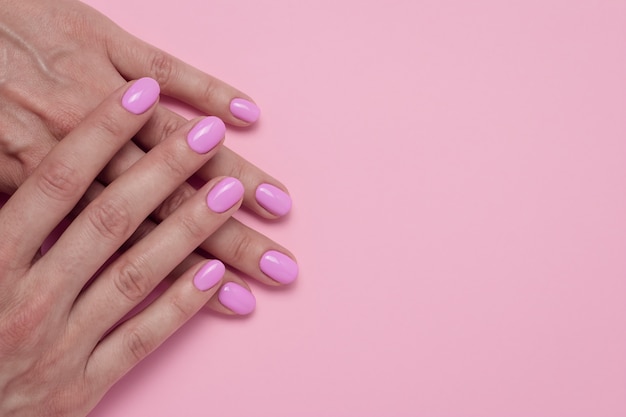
x,y
245,110
141,95
237,298
225,194
209,275
206,134
279,267
273,199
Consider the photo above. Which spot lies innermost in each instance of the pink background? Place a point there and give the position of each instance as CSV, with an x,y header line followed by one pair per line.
x,y
459,175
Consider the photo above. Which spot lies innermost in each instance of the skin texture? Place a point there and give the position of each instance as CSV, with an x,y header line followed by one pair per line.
x,y
60,347
59,59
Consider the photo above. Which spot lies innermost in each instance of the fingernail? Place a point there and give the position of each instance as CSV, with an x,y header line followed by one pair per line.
x,y
209,275
279,267
141,95
273,199
245,110
237,298
225,194
206,134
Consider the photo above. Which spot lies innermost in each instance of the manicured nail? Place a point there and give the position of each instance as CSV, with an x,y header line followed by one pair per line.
x,y
141,95
245,110
225,194
273,199
237,298
279,267
209,275
206,134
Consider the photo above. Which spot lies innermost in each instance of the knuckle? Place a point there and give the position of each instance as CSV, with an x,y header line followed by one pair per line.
x,y
161,68
20,324
209,92
59,180
180,309
110,218
240,248
108,126
174,201
162,127
133,281
175,166
169,125
192,229
139,343
62,120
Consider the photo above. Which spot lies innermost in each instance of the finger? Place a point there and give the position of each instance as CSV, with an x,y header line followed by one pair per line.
x,y
55,186
239,246
132,56
252,253
132,341
126,282
234,296
113,216
240,302
265,195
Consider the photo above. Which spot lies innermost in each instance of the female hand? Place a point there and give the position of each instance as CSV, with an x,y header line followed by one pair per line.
x,y
61,343
63,58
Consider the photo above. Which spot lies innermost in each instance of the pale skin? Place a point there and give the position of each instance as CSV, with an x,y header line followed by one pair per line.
x,y
57,356
59,59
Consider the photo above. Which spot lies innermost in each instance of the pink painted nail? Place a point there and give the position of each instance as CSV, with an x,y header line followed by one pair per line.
x,y
206,134
225,194
273,199
279,267
245,110
237,298
141,95
209,275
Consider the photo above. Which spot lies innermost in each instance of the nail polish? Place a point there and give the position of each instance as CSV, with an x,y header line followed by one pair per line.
x,y
279,267
209,275
245,110
225,194
273,199
141,95
237,298
206,134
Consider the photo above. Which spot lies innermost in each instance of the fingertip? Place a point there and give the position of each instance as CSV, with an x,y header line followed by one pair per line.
x,y
274,200
209,275
141,95
225,194
237,298
279,266
244,110
206,134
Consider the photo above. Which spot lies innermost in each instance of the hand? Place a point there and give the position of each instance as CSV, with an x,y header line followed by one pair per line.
x,y
61,343
65,58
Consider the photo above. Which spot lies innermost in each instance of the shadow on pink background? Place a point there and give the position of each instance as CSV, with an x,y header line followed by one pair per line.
x,y
459,176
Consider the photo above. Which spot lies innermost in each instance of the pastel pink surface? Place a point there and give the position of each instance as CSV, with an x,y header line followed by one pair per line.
x,y
458,172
